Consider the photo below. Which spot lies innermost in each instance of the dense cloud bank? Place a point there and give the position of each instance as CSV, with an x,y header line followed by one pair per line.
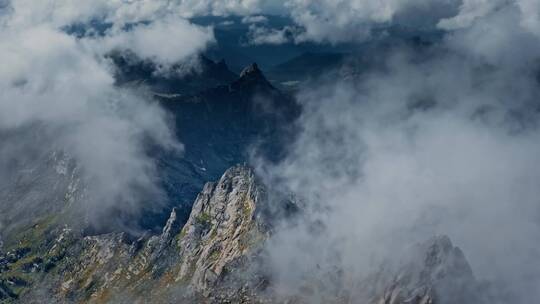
x,y
437,140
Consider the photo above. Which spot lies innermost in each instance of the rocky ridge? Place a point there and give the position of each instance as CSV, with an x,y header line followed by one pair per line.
x,y
221,234
216,257
181,78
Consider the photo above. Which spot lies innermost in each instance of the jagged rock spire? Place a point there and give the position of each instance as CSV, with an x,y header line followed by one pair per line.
x,y
172,227
222,222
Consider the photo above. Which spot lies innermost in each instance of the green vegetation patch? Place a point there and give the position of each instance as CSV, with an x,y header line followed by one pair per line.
x,y
204,219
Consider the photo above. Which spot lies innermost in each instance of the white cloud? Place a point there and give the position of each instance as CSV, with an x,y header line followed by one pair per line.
x,y
221,7
54,83
469,11
350,20
254,19
531,15
264,35
61,86
336,21
167,41
444,144
331,21
58,13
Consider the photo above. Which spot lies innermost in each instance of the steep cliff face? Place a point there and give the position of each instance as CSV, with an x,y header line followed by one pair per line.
x,y
224,229
216,257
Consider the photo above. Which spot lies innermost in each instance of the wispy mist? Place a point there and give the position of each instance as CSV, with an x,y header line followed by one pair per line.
x,y
436,140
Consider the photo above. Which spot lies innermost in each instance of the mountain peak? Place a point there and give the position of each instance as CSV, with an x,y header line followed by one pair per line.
x,y
252,76
251,70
